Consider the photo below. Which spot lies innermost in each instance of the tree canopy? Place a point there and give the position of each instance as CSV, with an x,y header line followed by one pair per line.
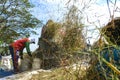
x,y
16,20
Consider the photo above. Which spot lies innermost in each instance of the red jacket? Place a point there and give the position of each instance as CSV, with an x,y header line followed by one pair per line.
x,y
20,44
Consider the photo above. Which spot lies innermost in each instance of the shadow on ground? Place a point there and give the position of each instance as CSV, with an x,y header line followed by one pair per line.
x,y
4,73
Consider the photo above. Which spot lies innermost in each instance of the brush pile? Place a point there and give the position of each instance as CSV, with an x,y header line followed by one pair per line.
x,y
57,41
112,31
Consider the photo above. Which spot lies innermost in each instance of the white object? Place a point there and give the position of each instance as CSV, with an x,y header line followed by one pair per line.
x,y
36,63
6,63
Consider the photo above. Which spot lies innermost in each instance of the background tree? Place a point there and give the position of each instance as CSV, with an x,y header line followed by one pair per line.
x,y
16,20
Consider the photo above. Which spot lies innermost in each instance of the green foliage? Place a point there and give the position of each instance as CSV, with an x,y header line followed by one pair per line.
x,y
16,20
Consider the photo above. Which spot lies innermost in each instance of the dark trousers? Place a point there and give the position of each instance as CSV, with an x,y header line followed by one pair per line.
x,y
14,58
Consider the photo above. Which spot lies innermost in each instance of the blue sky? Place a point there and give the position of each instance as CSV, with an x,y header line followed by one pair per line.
x,y
96,14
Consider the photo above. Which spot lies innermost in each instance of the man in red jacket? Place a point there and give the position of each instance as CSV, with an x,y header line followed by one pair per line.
x,y
16,50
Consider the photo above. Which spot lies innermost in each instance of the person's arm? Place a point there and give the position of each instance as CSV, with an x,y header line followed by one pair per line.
x,y
21,54
27,45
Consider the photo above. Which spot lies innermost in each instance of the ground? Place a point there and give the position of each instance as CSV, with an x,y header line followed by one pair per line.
x,y
24,75
62,73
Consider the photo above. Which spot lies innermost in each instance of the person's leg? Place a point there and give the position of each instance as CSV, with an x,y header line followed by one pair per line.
x,y
14,58
16,61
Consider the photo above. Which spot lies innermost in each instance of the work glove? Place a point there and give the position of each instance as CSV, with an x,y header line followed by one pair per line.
x,y
21,55
29,53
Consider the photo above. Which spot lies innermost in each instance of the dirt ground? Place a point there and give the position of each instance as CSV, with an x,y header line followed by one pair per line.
x,y
24,75
62,73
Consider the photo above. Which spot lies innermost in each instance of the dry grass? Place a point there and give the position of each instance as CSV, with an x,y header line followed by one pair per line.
x,y
64,73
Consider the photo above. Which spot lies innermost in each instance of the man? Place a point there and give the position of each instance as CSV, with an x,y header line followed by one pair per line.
x,y
16,50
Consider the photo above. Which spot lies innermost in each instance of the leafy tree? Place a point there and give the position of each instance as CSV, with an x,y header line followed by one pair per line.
x,y
16,20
